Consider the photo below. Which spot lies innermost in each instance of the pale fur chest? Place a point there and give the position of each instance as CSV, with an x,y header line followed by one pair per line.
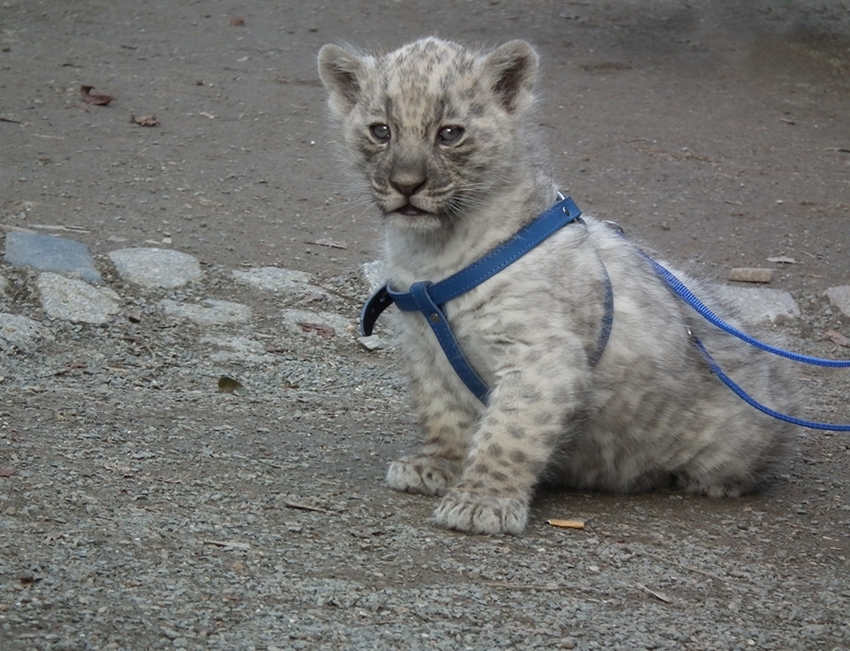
x,y
546,297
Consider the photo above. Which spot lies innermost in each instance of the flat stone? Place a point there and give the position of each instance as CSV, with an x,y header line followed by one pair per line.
x,y
374,275
840,298
750,275
152,267
373,342
293,318
760,305
210,312
280,281
21,333
71,299
49,253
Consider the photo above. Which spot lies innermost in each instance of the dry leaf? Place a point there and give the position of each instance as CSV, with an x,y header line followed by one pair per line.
x,y
144,120
7,472
782,259
751,275
97,100
320,329
837,338
566,524
229,385
237,21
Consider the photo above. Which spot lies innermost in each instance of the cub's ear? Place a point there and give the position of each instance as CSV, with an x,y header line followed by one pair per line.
x,y
512,70
340,71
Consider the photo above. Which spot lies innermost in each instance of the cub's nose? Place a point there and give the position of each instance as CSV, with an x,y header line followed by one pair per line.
x,y
408,184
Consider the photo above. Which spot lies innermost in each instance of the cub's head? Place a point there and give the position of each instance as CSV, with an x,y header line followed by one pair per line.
x,y
435,128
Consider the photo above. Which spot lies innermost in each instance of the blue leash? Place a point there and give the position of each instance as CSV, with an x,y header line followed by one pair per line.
x,y
679,288
686,295
429,299
746,397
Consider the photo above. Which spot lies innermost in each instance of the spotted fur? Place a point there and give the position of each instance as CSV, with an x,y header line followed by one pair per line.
x,y
442,136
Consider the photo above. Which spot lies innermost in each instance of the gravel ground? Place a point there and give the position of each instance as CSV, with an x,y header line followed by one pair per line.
x,y
142,508
148,509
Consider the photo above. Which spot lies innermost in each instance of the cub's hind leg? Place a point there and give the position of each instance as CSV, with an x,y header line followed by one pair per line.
x,y
736,457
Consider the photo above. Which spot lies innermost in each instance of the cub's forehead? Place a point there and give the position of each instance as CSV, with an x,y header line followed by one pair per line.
x,y
428,68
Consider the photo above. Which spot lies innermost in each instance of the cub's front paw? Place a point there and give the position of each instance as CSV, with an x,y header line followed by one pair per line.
x,y
476,513
419,473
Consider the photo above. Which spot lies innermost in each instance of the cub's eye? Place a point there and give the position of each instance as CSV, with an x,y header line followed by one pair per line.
x,y
449,135
380,132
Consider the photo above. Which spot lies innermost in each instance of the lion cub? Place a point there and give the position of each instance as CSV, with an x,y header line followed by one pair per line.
x,y
442,137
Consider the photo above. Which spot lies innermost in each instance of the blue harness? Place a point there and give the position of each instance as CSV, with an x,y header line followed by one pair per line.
x,y
430,298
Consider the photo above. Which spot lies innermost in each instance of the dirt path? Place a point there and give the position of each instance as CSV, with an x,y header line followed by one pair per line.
x,y
143,509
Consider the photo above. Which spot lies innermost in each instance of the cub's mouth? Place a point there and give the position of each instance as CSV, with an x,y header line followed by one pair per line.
x,y
409,210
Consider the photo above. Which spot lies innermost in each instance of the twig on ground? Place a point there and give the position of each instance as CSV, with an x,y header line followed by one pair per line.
x,y
687,567
304,507
524,586
658,595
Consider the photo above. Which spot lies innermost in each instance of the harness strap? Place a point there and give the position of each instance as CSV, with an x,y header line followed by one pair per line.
x,y
607,318
430,298
523,241
436,318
